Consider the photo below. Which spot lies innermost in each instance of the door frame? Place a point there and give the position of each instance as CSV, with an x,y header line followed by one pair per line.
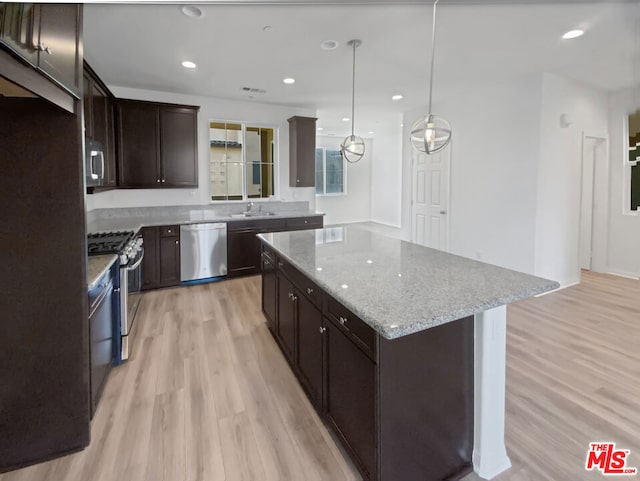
x,y
447,244
600,198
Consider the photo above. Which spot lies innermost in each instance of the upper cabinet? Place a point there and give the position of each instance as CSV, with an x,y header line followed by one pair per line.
x,y
99,123
157,144
46,37
302,151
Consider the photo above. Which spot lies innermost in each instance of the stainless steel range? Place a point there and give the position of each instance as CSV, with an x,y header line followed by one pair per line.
x,y
130,251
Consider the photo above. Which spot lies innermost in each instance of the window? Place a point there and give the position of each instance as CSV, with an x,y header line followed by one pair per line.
x,y
241,161
634,156
331,172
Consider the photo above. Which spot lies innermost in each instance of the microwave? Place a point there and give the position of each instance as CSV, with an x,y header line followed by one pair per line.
x,y
94,160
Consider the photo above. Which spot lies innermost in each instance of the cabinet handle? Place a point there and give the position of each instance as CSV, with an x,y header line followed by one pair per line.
x,y
48,50
297,181
323,330
294,298
291,295
280,264
306,221
163,181
158,181
343,321
177,242
309,291
169,231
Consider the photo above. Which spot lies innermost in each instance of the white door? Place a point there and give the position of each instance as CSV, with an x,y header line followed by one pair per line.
x,y
430,199
586,207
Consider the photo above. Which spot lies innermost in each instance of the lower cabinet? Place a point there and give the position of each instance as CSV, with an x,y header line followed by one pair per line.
x,y
243,247
403,408
161,264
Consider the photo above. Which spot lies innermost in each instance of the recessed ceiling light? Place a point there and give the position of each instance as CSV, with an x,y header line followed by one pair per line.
x,y
188,64
329,45
289,80
320,128
369,261
573,34
318,269
192,11
345,119
396,97
344,286
401,125
371,132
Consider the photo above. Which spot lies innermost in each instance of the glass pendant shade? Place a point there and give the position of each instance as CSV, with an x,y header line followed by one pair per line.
x,y
430,134
352,148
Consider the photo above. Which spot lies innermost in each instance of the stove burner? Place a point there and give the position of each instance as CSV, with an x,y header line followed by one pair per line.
x,y
108,242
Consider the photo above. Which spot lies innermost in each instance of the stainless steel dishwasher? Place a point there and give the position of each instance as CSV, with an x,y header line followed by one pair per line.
x,y
203,251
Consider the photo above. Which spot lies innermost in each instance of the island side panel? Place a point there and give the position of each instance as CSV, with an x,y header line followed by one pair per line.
x,y
489,453
426,403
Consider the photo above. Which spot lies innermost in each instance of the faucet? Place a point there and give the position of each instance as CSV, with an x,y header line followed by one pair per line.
x,y
249,206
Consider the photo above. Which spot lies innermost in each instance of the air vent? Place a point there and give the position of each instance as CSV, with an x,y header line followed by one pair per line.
x,y
253,90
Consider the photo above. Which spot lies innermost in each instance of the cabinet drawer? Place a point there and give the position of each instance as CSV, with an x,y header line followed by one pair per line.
x,y
359,332
260,225
297,223
307,287
169,230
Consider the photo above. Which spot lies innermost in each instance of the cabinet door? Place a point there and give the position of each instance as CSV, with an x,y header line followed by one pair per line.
x,y
243,253
350,396
103,130
19,29
302,152
169,261
139,146
179,147
101,331
58,49
309,349
269,293
151,261
87,105
286,327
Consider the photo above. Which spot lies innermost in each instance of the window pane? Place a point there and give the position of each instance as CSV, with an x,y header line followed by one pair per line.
x,y
218,181
335,173
319,172
226,159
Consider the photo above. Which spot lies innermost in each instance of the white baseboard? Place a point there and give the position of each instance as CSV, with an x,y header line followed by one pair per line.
x,y
628,275
563,285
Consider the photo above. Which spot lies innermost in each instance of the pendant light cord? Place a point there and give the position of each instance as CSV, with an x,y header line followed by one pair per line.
x,y
433,54
353,88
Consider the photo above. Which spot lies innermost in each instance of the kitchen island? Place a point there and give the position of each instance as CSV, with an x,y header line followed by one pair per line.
x,y
400,348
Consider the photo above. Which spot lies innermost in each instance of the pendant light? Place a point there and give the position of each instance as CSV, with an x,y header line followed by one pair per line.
x,y
431,134
352,147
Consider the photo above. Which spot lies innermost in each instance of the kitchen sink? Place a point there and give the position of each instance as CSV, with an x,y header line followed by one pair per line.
x,y
253,214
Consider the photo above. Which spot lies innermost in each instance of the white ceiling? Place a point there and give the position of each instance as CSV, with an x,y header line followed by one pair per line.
x,y
142,46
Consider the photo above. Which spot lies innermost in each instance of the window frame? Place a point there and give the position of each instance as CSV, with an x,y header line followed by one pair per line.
x,y
245,173
324,174
627,172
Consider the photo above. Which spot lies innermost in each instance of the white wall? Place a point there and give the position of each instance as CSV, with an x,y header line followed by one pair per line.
x,y
624,226
559,177
493,170
355,206
386,175
210,108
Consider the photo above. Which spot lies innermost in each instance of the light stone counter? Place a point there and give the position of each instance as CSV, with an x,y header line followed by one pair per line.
x,y
97,266
133,219
397,287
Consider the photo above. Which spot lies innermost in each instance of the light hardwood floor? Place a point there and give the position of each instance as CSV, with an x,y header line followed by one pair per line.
x,y
208,395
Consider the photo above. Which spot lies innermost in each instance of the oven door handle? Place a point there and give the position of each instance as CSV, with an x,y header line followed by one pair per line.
x,y
136,265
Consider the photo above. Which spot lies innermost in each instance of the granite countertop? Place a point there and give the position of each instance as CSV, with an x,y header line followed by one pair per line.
x,y
98,265
397,287
135,223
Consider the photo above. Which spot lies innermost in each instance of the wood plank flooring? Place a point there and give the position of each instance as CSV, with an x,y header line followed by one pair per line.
x,y
208,396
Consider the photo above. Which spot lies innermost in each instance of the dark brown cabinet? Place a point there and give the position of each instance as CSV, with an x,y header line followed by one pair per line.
x,y
99,124
47,38
286,326
157,144
59,25
309,342
350,396
302,151
161,264
402,408
269,286
243,247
